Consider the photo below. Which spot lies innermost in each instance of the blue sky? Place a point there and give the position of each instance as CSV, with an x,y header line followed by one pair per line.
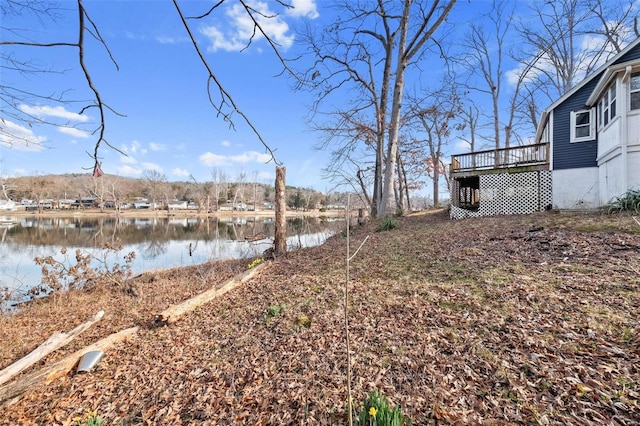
x,y
161,89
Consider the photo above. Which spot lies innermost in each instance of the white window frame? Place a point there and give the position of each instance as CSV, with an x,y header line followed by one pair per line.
x,y
607,107
592,126
631,91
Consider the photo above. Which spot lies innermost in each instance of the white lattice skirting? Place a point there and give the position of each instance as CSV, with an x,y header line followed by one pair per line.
x,y
508,193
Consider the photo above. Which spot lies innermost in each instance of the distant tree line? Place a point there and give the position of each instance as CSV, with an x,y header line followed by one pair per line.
x,y
154,187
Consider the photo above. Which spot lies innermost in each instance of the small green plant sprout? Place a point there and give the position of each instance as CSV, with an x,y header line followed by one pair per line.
x,y
629,202
255,263
387,224
273,311
89,419
377,411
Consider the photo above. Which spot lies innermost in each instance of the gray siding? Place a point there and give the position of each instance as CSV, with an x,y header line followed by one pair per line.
x,y
567,155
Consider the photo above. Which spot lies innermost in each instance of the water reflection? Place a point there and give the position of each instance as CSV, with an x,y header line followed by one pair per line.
x,y
159,243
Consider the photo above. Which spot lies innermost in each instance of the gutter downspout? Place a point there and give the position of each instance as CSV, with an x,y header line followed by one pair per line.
x,y
624,140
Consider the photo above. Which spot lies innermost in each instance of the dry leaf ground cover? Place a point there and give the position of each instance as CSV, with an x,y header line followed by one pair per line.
x,y
503,320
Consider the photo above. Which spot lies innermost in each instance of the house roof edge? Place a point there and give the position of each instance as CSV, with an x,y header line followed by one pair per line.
x,y
585,81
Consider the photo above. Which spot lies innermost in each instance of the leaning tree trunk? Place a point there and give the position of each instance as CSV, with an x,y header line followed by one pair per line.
x,y
280,241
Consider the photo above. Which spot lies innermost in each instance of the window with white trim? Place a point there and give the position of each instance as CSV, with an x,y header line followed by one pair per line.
x,y
582,125
634,93
607,106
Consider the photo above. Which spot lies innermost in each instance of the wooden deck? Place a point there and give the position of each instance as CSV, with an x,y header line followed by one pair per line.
x,y
529,157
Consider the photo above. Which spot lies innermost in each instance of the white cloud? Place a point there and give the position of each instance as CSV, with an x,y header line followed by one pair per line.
x,y
180,172
225,143
241,28
72,131
545,65
156,147
171,40
250,157
594,43
41,111
129,171
303,8
134,148
212,160
219,42
127,159
462,146
151,166
20,138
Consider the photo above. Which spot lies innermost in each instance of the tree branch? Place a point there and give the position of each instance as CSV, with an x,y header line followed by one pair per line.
x,y
225,97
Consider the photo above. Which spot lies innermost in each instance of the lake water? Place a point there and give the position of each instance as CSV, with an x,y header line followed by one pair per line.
x,y
159,243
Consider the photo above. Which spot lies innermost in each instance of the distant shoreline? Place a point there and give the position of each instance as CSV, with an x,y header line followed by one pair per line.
x,y
168,214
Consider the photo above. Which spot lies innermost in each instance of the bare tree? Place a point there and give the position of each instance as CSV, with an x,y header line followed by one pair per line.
x,y
554,28
238,194
8,188
116,192
368,50
99,191
220,183
40,188
555,36
411,166
615,21
469,116
352,163
154,182
200,193
556,46
435,114
483,58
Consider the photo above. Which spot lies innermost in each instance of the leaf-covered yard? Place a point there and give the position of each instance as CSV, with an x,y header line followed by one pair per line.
x,y
503,320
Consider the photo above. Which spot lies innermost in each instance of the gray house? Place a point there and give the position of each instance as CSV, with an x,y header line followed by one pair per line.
x,y
586,151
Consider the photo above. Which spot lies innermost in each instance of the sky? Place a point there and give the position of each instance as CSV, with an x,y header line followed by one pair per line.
x,y
165,122
160,88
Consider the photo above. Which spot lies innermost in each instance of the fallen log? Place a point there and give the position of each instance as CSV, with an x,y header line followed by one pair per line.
x,y
175,312
55,341
12,392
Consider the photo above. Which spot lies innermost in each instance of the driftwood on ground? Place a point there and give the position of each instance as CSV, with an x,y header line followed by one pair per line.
x,y
175,312
10,393
55,341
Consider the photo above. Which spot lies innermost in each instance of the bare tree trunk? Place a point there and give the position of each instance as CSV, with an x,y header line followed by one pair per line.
x,y
365,194
377,182
280,241
406,185
402,184
175,312
407,49
392,144
436,185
